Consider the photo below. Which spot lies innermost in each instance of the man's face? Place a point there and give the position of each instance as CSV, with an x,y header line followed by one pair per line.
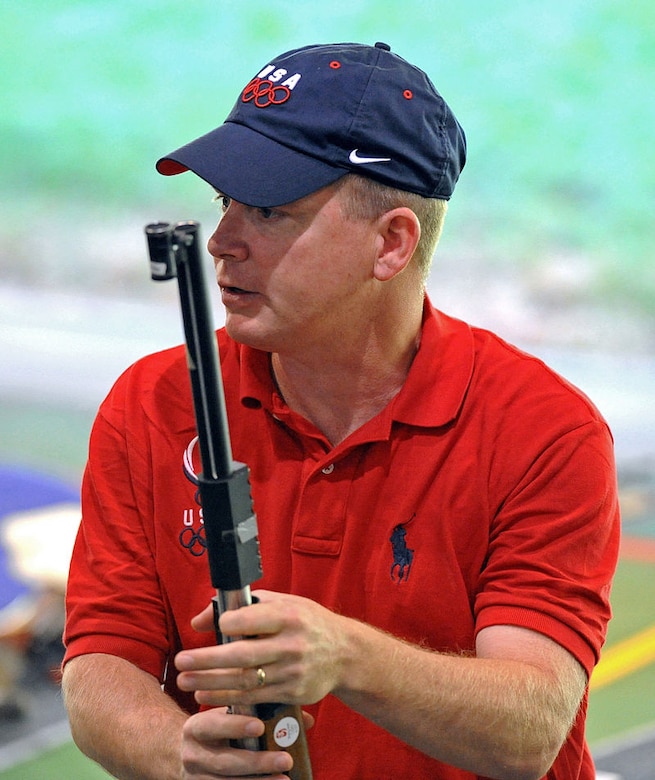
x,y
293,277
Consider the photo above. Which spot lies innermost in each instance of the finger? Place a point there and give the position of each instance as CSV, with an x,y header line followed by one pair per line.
x,y
248,679
241,654
209,747
227,760
250,687
286,692
204,621
254,621
308,720
218,726
237,764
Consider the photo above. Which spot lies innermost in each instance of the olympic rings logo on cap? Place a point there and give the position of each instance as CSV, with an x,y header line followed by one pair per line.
x,y
264,93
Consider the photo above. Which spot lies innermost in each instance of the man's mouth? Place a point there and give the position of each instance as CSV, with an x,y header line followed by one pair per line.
x,y
234,290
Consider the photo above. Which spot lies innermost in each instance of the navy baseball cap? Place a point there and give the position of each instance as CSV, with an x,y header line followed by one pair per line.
x,y
316,113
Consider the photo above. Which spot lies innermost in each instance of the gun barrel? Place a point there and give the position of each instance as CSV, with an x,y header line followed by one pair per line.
x,y
229,521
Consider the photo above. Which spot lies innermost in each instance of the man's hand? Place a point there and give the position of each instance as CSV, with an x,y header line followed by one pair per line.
x,y
206,749
299,645
502,713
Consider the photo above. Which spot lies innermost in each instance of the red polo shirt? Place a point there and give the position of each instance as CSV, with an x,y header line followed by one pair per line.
x,y
483,494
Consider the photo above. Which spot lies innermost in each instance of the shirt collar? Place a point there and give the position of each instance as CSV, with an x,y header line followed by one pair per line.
x,y
440,374
433,392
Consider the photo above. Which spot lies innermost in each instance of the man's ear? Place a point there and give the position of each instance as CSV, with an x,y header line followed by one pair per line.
x,y
399,233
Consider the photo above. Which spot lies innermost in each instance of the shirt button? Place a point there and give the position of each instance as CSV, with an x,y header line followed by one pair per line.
x,y
328,469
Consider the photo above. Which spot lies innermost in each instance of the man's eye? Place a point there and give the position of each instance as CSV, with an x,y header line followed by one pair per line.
x,y
223,202
266,212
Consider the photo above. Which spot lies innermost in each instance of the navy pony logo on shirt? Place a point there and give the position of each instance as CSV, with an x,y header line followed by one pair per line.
x,y
402,554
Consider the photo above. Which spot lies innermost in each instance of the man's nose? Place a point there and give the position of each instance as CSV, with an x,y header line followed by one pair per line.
x,y
227,241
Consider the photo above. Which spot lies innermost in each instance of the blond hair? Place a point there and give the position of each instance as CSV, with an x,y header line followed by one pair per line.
x,y
369,199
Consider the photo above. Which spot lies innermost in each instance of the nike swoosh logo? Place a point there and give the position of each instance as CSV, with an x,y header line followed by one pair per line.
x,y
355,158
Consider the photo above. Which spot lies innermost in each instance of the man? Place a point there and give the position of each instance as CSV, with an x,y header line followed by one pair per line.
x,y
437,510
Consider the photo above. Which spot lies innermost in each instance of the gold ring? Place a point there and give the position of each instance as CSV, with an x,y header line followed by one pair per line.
x,y
261,677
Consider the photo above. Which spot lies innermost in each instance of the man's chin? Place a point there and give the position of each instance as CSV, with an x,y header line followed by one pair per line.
x,y
246,331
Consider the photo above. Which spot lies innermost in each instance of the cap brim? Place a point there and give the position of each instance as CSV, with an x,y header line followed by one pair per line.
x,y
249,167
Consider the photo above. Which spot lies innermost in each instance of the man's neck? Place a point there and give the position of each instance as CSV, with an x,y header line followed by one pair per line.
x,y
340,391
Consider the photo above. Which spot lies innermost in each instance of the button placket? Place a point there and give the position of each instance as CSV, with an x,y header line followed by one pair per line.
x,y
322,507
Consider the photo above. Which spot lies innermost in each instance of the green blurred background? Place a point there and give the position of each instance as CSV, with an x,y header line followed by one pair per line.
x,y
556,99
550,233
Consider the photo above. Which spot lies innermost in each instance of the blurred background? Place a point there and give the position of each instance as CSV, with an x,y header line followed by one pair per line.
x,y
549,241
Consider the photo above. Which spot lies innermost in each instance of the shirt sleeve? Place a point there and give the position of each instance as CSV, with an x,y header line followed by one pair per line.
x,y
554,546
114,602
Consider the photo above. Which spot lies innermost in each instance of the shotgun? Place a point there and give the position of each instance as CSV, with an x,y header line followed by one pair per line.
x,y
229,521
